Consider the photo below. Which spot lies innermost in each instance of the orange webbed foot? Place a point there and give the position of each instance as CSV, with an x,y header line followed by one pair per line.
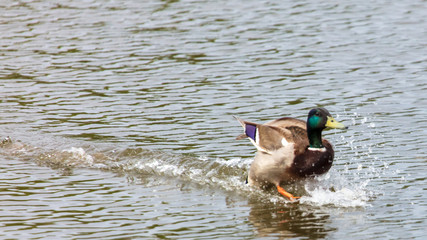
x,y
289,196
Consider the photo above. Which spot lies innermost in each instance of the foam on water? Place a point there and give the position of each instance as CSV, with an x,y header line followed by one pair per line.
x,y
334,189
78,155
346,187
228,175
331,189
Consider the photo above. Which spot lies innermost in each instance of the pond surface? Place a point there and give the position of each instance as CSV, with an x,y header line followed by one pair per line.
x,y
117,117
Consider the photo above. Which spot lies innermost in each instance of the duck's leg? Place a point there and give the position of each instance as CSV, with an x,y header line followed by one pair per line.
x,y
286,194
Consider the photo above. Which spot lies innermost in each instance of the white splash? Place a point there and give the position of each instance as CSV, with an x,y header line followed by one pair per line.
x,y
235,162
333,189
77,156
343,197
219,172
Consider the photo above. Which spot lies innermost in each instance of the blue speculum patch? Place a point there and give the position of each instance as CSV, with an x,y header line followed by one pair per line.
x,y
250,131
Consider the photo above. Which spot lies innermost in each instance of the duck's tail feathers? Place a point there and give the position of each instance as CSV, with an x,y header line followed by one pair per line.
x,y
241,136
265,138
241,121
249,128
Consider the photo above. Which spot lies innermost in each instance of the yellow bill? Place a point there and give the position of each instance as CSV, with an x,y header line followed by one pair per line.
x,y
332,123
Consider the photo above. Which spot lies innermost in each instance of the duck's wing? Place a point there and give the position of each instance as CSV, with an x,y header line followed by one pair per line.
x,y
298,130
266,138
288,122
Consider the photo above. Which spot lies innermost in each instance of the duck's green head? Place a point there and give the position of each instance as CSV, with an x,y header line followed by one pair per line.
x,y
320,118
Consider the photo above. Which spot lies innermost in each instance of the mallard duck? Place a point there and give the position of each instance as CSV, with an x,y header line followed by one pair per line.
x,y
289,149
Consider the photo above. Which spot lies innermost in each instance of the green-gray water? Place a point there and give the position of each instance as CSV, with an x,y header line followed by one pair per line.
x,y
119,117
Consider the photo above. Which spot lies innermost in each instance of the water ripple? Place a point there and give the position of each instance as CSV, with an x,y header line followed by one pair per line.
x,y
167,77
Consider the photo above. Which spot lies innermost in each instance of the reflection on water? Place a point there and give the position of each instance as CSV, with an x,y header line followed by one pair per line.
x,y
290,221
120,117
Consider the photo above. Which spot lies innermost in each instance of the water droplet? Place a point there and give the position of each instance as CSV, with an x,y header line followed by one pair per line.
x,y
364,120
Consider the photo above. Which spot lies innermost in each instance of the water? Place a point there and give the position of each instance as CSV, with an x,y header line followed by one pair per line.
x,y
119,117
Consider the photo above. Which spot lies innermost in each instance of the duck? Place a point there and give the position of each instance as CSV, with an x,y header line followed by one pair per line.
x,y
289,149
